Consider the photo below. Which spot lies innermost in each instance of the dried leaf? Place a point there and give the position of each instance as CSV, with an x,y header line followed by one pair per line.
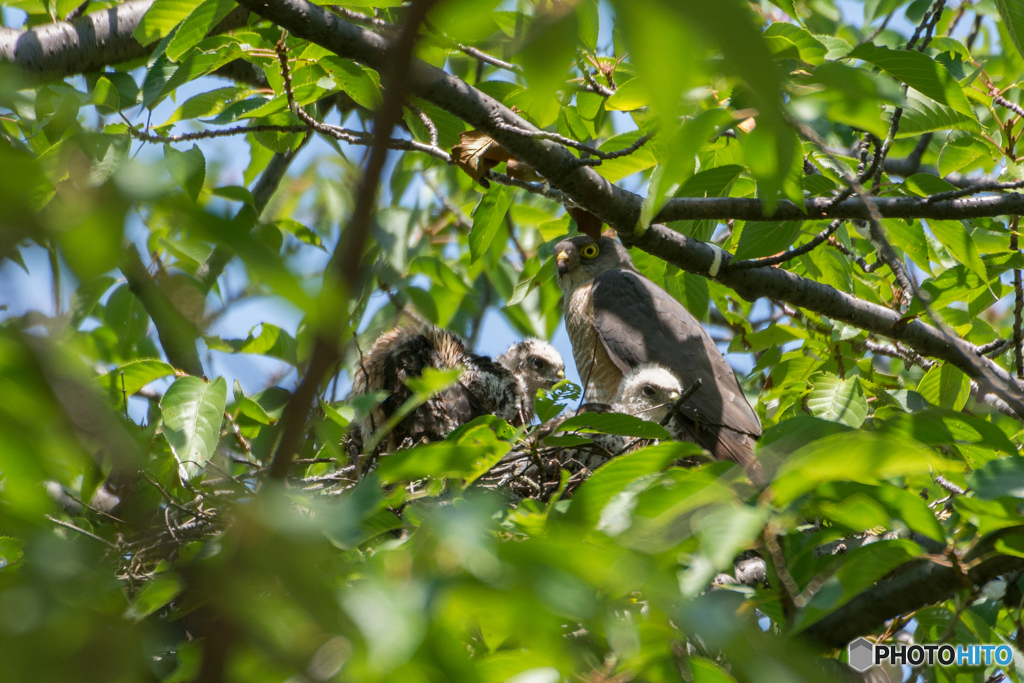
x,y
478,153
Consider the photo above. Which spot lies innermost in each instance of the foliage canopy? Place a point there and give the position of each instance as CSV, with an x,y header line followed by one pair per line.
x,y
832,194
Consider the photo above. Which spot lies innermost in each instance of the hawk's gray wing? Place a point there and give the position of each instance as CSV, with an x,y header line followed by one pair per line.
x,y
638,322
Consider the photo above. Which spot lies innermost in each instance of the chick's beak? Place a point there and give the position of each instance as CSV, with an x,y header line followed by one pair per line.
x,y
562,262
560,374
674,396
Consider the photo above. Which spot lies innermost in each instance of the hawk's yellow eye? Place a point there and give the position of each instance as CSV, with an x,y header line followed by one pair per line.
x,y
590,251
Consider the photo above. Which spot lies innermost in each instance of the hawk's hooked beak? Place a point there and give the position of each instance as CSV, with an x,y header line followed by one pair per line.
x,y
562,262
560,374
674,396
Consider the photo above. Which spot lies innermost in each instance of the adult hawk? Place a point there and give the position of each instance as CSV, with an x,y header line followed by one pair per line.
x,y
505,388
618,320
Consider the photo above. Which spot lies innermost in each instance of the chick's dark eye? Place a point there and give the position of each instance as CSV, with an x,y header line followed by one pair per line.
x,y
589,251
536,363
648,391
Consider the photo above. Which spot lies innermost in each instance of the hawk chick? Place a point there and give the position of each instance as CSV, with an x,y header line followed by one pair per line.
x,y
647,392
618,320
486,387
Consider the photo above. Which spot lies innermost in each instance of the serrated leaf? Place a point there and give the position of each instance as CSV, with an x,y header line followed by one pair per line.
x,y
187,168
195,27
866,457
615,423
764,238
362,84
209,103
161,17
193,410
272,341
617,474
155,594
487,218
248,407
998,478
918,71
922,115
85,298
953,235
1012,13
838,400
945,386
137,374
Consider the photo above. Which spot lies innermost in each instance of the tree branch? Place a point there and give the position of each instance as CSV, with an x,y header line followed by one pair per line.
x,y
924,582
87,44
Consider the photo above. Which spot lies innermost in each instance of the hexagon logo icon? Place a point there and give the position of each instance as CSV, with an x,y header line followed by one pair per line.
x,y
862,654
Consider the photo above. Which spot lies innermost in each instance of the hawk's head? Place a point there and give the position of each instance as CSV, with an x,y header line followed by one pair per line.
x,y
580,259
648,392
536,362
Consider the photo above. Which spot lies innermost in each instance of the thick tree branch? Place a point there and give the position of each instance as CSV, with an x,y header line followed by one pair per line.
x,y
89,43
923,582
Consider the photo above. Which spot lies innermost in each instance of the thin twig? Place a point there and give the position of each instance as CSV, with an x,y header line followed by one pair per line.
x,y
976,189
792,253
427,123
493,61
598,155
69,525
683,398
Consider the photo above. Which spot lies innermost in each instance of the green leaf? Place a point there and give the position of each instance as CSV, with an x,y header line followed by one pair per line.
x,y
11,551
443,460
193,410
960,150
1012,13
156,593
764,238
922,115
838,400
272,341
810,49
137,374
187,168
867,457
195,27
918,71
999,478
861,568
488,217
946,386
85,298
161,17
615,423
615,475
126,315
250,408
209,103
615,170
953,235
